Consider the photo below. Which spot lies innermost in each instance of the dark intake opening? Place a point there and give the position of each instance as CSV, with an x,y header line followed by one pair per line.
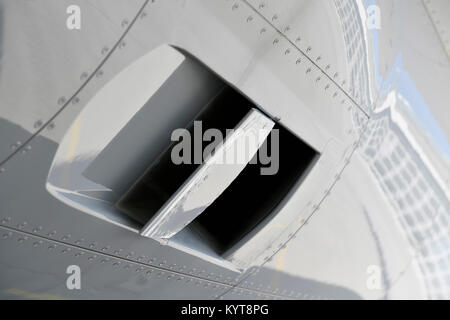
x,y
252,197
163,178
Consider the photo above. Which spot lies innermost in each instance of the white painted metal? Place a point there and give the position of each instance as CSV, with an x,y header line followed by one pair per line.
x,y
382,136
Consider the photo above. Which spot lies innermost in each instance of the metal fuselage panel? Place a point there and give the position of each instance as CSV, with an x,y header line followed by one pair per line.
x,y
370,101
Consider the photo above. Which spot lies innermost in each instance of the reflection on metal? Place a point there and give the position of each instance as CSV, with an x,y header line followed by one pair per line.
x,y
418,198
410,160
315,85
353,28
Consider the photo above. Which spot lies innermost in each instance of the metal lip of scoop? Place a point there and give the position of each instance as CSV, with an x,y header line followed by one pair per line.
x,y
212,177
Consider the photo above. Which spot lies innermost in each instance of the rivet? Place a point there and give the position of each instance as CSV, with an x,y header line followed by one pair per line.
x,y
61,100
122,44
37,229
275,41
38,124
235,6
124,23
262,31
104,50
287,52
83,76
275,17
99,73
298,61
249,19
143,14
51,126
308,70
75,100
6,220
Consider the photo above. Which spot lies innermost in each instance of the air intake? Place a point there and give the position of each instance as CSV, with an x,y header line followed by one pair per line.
x,y
239,204
253,197
125,172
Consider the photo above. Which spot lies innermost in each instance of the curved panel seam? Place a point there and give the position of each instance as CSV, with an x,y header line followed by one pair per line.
x,y
89,78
